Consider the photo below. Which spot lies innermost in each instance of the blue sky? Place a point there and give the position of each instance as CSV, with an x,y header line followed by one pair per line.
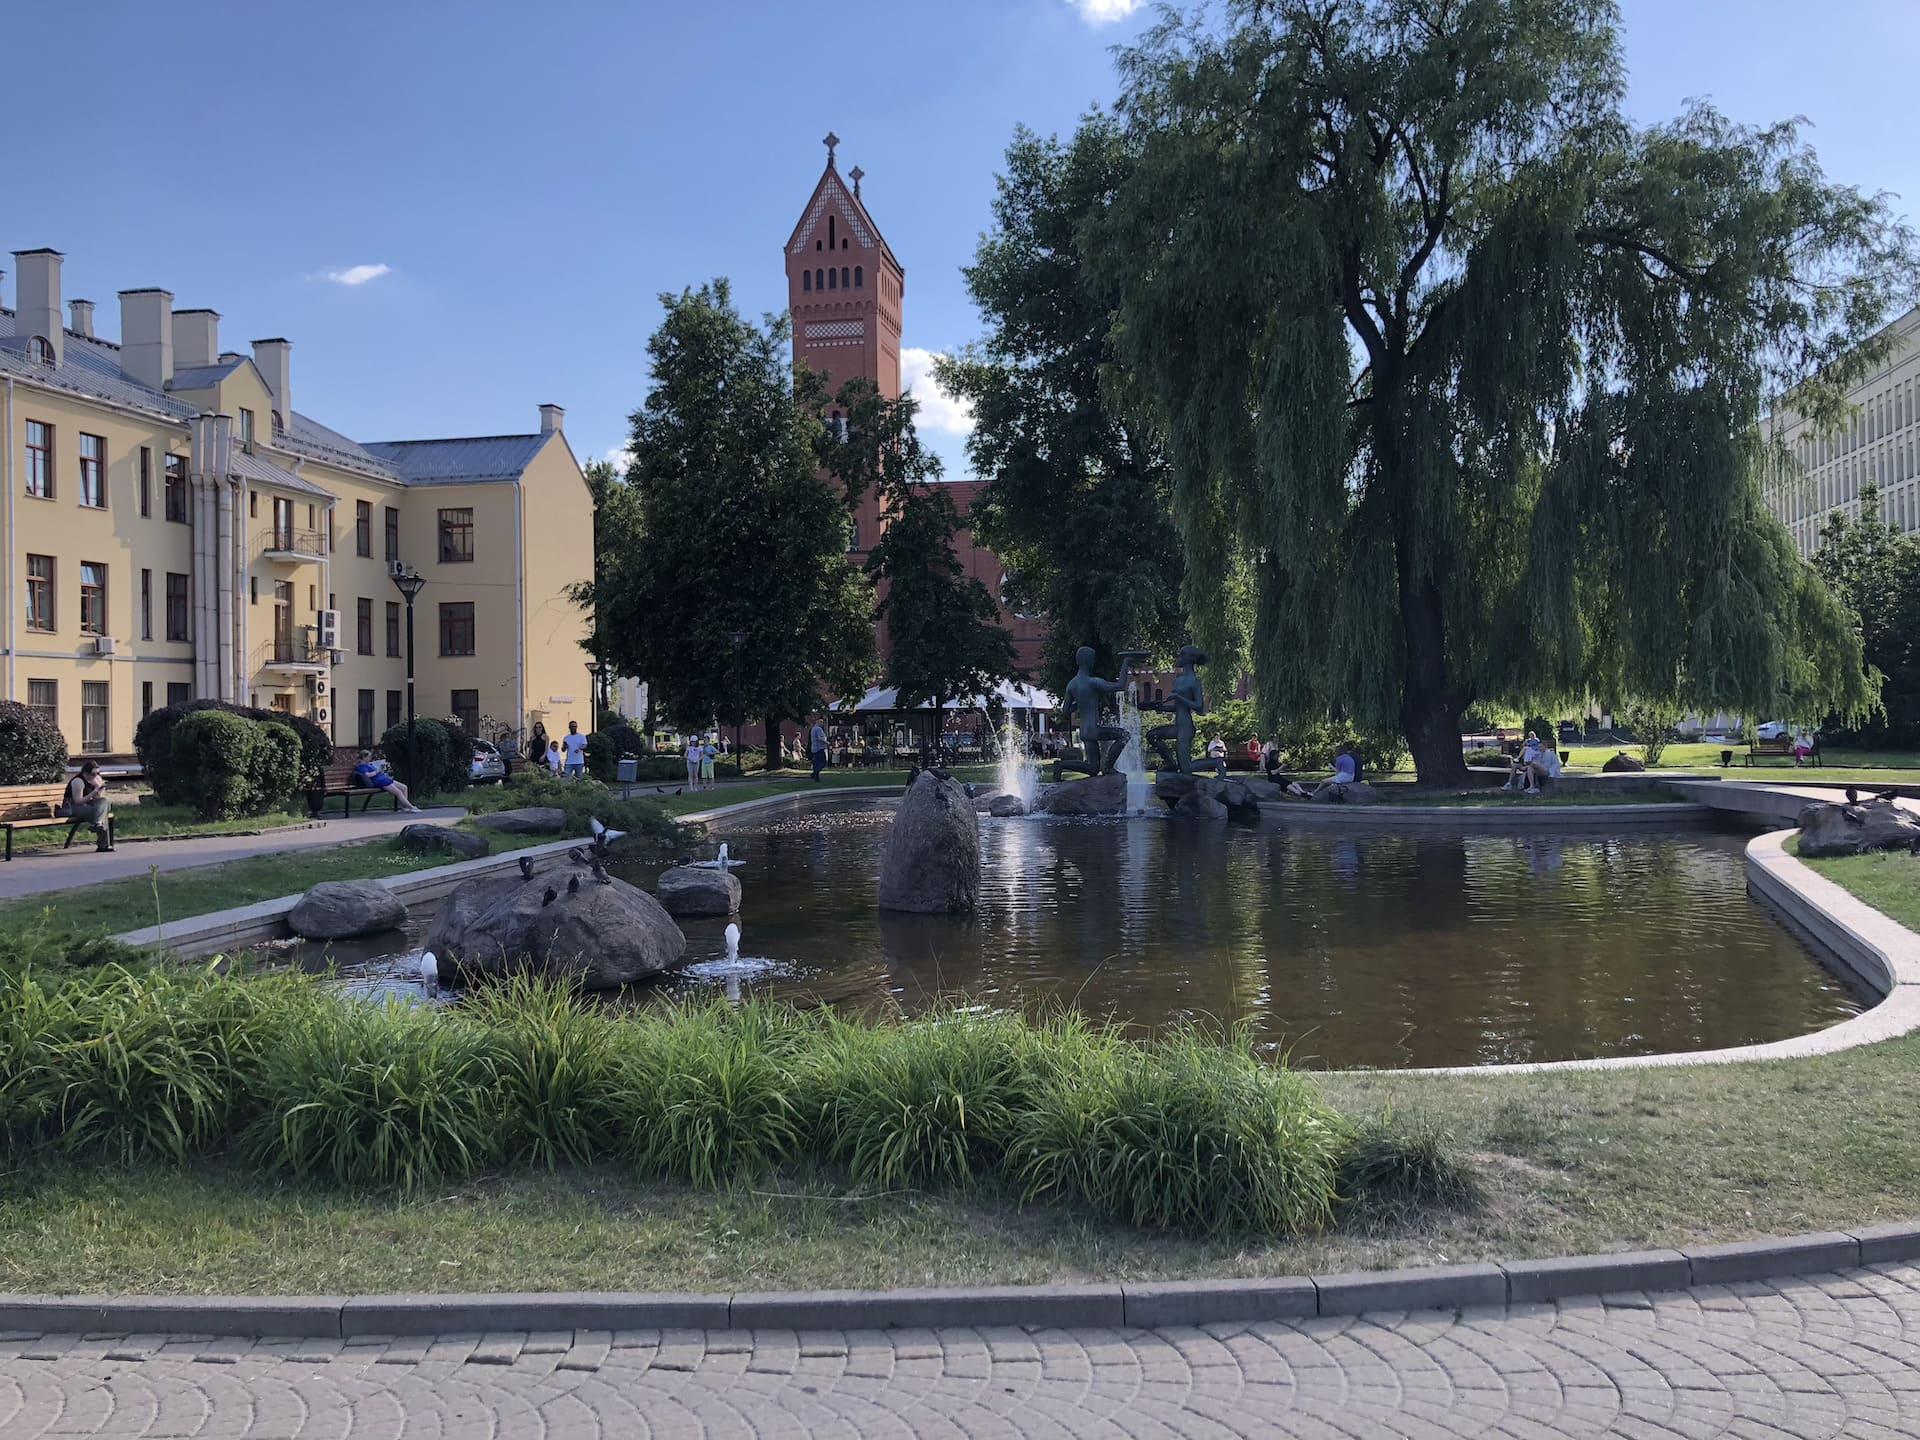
x,y
513,185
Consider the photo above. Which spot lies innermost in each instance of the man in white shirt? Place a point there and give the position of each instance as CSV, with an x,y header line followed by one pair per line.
x,y
575,745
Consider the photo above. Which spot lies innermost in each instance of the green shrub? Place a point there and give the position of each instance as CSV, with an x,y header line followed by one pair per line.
x,y
153,742
644,822
1486,757
388,1094
32,750
1231,720
1402,1167
227,765
437,761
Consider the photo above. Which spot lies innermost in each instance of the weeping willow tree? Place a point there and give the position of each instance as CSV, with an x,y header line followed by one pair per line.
x,y
1463,373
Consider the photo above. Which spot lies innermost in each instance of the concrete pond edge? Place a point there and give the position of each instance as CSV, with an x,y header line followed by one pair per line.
x,y
1149,1305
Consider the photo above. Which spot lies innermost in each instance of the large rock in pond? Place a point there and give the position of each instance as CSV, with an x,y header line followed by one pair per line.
x,y
1623,764
1095,795
1006,806
1202,797
604,936
444,840
1199,803
932,860
341,909
696,890
1827,829
529,820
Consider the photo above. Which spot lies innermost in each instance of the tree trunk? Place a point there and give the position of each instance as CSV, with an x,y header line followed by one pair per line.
x,y
1429,710
772,761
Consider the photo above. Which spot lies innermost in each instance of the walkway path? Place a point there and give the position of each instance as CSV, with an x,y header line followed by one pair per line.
x,y
36,871
1836,1355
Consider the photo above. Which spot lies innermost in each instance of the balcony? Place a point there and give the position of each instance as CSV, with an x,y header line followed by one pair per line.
x,y
295,656
294,547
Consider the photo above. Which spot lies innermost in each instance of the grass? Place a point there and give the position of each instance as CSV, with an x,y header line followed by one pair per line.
x,y
150,820
1887,765
1888,880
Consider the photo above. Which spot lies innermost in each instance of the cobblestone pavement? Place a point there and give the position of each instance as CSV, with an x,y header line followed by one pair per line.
x,y
1836,1355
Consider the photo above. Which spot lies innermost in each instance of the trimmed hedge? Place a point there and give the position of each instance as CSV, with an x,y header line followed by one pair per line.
x,y
32,749
227,765
153,742
440,761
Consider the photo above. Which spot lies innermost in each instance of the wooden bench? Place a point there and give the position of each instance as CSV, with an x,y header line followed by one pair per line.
x,y
1780,748
338,780
31,807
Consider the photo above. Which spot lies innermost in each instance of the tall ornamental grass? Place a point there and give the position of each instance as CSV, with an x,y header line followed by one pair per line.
x,y
1187,1132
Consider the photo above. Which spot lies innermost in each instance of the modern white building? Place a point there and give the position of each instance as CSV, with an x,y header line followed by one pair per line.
x,y
1880,445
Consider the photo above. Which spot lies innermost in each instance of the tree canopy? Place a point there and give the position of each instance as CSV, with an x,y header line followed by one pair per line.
x,y
724,581
1875,570
1460,372
1077,500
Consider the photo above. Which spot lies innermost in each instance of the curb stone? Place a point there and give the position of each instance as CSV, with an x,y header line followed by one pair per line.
x,y
1143,1306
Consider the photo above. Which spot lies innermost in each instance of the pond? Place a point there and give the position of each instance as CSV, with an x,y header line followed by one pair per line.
x,y
1376,949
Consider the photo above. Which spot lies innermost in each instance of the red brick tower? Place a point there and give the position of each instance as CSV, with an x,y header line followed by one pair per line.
x,y
844,291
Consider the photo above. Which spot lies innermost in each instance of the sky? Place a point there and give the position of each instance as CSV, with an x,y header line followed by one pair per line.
x,y
459,211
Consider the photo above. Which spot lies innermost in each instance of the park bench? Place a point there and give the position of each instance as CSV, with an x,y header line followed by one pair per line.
x,y
31,807
338,780
1780,748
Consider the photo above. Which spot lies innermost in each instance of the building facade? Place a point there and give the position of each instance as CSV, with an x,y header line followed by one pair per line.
x,y
1879,445
175,529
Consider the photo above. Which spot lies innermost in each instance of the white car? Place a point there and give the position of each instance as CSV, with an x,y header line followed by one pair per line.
x,y
488,764
1772,730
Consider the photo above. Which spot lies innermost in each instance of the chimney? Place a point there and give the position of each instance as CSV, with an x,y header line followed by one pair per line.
x,y
197,333
82,311
38,311
551,417
275,360
146,337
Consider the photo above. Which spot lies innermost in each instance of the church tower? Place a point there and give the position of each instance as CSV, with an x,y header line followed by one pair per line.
x,y
844,292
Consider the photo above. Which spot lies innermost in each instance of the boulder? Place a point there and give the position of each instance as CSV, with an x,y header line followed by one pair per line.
x,y
1360,793
530,820
696,890
444,840
340,909
603,936
1095,795
1199,803
1263,790
1184,794
1827,829
1623,764
932,860
1006,805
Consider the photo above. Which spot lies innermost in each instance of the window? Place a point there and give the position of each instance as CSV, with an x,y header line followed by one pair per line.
x,y
819,279
146,481
859,277
93,598
393,627
146,604
456,628
175,486
40,593
310,517
832,222
393,533
393,708
456,536
466,709
40,459
177,607
846,278
253,504
806,280
366,719
253,589
43,698
363,615
178,692
282,523
93,716
146,698
246,429
93,472
833,278
42,349
363,528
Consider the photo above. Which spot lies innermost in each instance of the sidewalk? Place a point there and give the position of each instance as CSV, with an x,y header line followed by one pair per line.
x,y
39,871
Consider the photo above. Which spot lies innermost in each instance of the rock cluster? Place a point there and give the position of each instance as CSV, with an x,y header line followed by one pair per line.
x,y
932,860
1095,795
1878,824
1202,797
529,820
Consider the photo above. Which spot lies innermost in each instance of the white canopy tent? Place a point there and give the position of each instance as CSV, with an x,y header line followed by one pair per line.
x,y
1009,693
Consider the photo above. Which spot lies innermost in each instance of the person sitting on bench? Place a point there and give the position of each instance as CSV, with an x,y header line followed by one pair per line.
x,y
86,800
374,778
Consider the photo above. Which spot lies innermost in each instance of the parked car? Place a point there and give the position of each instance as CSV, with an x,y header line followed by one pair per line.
x,y
1772,729
488,763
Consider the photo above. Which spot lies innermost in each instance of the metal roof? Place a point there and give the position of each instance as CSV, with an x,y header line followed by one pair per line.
x,y
205,377
308,437
466,461
87,367
257,468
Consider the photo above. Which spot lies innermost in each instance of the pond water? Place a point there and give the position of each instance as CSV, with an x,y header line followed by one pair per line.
x,y
1380,949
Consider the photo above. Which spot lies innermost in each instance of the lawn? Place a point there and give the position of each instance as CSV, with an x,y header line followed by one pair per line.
x,y
1888,880
1888,765
152,820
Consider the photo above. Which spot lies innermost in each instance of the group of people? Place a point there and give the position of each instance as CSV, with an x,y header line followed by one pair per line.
x,y
565,757
1535,762
1346,771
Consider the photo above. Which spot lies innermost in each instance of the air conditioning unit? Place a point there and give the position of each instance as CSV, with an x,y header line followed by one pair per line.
x,y
396,567
105,645
319,684
321,714
329,628
337,657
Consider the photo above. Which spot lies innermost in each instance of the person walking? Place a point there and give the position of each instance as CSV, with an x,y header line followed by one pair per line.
x,y
693,762
709,754
537,744
554,760
575,746
817,744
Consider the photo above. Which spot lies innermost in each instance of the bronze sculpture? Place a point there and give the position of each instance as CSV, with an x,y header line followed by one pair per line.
x,y
1187,701
1100,745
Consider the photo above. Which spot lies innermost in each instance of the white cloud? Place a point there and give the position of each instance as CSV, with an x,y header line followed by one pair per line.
x,y
1105,12
356,274
939,411
620,457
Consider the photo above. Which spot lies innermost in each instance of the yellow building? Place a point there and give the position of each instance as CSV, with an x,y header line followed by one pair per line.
x,y
176,529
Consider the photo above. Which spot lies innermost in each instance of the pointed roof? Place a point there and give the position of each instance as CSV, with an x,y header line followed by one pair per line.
x,y
830,190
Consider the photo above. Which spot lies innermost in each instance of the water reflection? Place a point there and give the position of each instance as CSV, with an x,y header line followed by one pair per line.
x,y
1374,949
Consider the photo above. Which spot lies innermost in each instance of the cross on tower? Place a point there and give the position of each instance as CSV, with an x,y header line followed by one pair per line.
x,y
831,142
856,174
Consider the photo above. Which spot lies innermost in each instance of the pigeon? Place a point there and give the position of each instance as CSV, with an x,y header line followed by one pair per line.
x,y
1853,817
1853,796
681,790
548,898
600,872
573,885
429,967
578,856
526,868
1890,794
602,836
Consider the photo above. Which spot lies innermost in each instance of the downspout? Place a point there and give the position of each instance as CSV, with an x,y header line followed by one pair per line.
x,y
520,606
243,620
12,543
223,498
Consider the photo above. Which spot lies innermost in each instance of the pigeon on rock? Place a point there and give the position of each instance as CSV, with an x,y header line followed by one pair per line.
x,y
526,868
548,898
573,885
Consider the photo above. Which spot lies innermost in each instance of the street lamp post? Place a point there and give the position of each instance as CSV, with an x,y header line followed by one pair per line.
x,y
410,583
597,672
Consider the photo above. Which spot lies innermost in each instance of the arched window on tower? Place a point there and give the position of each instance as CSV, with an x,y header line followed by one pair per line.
x,y
830,224
806,280
818,246
832,276
846,279
819,279
859,277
